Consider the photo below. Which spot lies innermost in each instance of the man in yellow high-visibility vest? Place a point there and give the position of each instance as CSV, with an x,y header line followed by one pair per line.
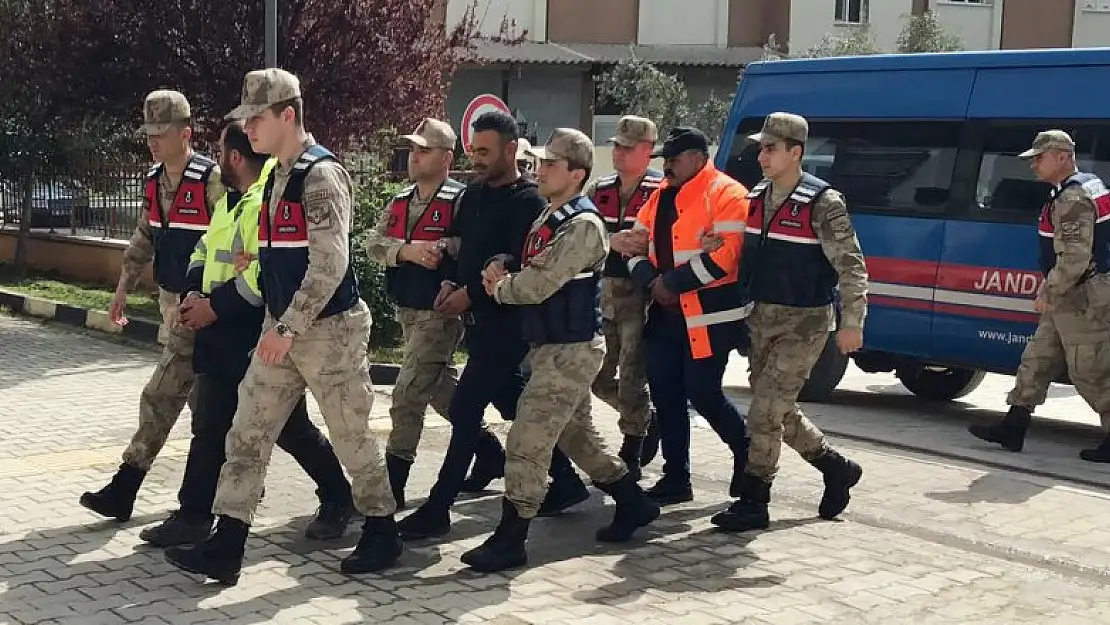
x,y
224,307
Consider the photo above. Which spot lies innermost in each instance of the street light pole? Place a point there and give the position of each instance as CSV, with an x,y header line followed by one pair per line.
x,y
271,33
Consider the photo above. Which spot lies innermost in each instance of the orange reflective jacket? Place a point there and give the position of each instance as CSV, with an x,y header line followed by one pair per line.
x,y
710,202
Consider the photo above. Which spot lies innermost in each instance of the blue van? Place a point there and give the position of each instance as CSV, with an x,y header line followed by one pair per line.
x,y
924,147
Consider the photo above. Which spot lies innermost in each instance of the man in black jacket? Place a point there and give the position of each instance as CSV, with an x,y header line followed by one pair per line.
x,y
494,217
223,306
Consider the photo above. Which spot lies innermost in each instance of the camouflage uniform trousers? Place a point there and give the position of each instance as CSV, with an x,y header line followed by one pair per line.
x,y
555,409
624,312
168,390
330,359
786,343
430,342
1074,342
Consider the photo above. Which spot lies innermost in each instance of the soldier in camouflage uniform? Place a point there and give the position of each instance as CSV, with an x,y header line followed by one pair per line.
x,y
799,246
411,240
1073,334
619,197
316,334
181,193
557,292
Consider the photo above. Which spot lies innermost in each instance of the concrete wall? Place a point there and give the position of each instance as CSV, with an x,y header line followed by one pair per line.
x,y
694,22
1092,24
523,15
78,258
810,20
547,96
979,26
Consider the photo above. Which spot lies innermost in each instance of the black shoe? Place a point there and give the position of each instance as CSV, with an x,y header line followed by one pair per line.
x,y
378,549
750,511
489,464
1098,454
669,491
331,520
841,474
651,441
632,450
566,491
427,521
505,548
634,510
117,499
398,469
179,529
1008,432
220,557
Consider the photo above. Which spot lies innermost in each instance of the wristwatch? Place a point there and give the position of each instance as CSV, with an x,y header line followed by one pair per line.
x,y
284,331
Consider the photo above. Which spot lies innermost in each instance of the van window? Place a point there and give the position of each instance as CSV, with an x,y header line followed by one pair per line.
x,y
1006,186
879,166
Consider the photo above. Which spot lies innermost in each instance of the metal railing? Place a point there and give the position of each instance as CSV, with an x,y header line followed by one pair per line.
x,y
107,203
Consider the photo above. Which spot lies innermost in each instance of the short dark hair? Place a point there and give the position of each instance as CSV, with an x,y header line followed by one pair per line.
x,y
235,138
297,104
500,122
794,143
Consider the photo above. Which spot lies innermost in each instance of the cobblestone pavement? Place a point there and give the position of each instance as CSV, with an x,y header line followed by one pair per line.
x,y
928,539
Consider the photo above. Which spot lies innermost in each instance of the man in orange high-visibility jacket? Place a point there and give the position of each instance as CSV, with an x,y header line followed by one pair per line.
x,y
695,316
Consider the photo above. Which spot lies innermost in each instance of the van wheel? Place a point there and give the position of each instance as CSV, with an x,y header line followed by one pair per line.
x,y
826,373
940,383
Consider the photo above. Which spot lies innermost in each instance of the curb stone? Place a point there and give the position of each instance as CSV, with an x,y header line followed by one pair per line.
x,y
137,329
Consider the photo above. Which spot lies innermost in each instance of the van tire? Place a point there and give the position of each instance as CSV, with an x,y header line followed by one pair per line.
x,y
939,383
826,373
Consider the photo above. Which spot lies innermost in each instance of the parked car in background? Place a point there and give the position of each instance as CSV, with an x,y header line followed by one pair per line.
x,y
54,204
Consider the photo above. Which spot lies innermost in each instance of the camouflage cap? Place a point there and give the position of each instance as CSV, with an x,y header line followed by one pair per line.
x,y
633,130
1049,140
779,126
433,133
523,148
162,109
567,144
264,88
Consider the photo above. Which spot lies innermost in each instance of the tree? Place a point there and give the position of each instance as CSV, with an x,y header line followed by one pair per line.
x,y
920,33
859,41
45,124
637,87
925,33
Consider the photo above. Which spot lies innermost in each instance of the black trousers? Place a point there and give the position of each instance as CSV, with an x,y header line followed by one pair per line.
x,y
492,376
216,400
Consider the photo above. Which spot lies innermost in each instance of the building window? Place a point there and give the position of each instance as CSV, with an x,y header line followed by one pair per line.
x,y
879,166
851,11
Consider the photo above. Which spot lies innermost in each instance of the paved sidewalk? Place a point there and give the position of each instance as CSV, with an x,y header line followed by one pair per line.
x,y
926,540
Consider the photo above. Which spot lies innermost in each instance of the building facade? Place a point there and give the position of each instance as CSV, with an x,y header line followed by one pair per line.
x,y
980,24
549,80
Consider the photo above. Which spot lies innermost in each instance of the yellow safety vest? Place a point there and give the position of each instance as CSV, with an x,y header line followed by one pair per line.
x,y
232,231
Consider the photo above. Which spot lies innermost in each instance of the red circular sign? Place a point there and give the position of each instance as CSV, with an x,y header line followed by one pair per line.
x,y
482,104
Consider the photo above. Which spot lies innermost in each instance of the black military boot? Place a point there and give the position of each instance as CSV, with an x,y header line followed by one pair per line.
x,y
651,440
749,512
634,510
566,490
739,463
220,557
398,469
489,463
378,549
427,521
669,491
841,474
117,499
1009,432
505,548
1098,454
181,528
632,450
331,519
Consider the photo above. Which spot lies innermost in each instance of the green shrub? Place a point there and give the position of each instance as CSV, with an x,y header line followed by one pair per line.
x,y
373,190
